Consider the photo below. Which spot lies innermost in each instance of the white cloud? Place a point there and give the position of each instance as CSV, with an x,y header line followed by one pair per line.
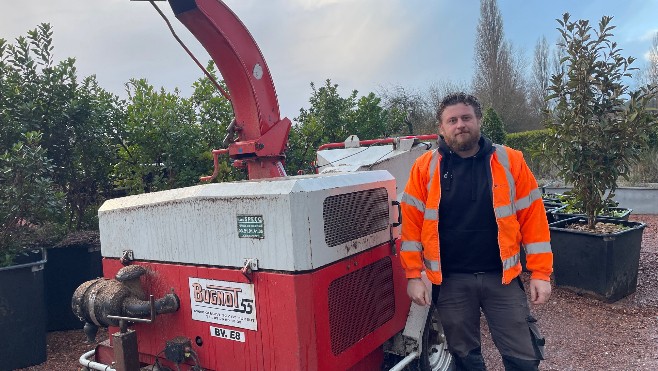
x,y
348,38
355,43
315,4
649,35
651,55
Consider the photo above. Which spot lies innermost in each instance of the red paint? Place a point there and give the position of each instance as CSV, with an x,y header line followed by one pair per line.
x,y
292,314
215,158
262,134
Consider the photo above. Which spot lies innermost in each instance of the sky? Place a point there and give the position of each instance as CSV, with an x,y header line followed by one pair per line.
x,y
364,45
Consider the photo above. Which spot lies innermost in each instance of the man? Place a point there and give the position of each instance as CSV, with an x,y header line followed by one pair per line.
x,y
467,209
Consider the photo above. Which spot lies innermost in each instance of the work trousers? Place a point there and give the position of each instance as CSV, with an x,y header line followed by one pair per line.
x,y
460,299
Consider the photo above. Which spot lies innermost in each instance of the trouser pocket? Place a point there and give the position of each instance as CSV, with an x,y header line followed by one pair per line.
x,y
538,341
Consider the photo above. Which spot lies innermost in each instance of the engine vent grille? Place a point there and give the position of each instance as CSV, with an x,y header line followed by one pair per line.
x,y
359,303
353,215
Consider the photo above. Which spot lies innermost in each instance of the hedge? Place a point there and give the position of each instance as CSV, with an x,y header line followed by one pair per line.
x,y
532,144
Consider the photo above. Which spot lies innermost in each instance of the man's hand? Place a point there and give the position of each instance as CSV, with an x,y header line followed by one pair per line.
x,y
540,291
418,292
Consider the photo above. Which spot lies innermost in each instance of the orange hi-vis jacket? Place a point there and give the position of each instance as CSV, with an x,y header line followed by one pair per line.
x,y
517,204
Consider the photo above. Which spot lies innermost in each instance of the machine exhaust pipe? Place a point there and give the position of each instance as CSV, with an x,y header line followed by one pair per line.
x,y
105,302
133,307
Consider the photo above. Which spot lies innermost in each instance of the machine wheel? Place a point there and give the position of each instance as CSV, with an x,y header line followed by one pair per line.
x,y
434,355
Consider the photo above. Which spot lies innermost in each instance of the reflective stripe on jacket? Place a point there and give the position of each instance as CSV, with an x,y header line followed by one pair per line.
x,y
520,223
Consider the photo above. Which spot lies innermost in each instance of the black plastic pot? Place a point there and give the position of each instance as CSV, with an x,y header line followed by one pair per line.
x,y
552,209
604,266
623,214
549,204
551,197
68,267
23,313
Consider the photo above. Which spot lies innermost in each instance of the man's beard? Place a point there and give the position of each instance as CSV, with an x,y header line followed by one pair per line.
x,y
463,146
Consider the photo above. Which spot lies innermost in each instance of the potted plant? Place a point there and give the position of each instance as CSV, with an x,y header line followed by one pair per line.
x,y
28,204
598,127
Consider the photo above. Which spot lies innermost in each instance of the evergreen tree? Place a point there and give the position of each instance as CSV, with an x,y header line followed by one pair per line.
x,y
493,127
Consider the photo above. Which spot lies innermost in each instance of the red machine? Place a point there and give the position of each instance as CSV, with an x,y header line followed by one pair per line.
x,y
274,273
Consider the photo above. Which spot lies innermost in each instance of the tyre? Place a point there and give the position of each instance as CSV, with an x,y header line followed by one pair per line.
x,y
434,355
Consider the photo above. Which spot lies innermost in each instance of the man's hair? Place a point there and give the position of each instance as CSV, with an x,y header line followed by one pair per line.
x,y
456,98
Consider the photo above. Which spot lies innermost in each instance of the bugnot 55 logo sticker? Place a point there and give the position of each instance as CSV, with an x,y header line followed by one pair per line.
x,y
222,302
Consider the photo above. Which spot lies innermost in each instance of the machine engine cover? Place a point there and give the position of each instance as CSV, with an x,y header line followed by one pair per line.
x,y
288,224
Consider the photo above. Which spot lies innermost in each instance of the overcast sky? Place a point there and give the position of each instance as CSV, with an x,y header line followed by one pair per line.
x,y
358,44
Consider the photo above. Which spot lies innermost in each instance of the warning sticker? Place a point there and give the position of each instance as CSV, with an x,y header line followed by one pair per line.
x,y
251,226
222,302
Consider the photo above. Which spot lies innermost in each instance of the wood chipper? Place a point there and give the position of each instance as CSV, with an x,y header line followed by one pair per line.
x,y
274,273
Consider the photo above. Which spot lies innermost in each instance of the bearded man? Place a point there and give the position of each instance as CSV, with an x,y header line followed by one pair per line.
x,y
467,210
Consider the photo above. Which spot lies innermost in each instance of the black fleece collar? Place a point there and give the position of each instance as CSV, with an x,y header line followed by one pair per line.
x,y
486,149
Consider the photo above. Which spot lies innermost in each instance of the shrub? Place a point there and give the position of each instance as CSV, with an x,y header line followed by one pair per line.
x,y
28,200
598,126
537,154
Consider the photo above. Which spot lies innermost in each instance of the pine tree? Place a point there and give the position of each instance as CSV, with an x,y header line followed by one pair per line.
x,y
493,127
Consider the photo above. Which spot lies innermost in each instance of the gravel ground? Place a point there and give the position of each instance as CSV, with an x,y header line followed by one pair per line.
x,y
581,333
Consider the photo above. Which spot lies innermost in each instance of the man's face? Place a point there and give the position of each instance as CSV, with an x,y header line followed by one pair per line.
x,y
460,127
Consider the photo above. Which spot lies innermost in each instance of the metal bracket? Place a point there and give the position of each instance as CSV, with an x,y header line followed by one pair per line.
x,y
405,144
127,257
352,142
415,325
250,265
122,320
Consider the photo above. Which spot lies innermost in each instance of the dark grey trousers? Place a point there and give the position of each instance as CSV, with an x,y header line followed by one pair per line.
x,y
459,300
